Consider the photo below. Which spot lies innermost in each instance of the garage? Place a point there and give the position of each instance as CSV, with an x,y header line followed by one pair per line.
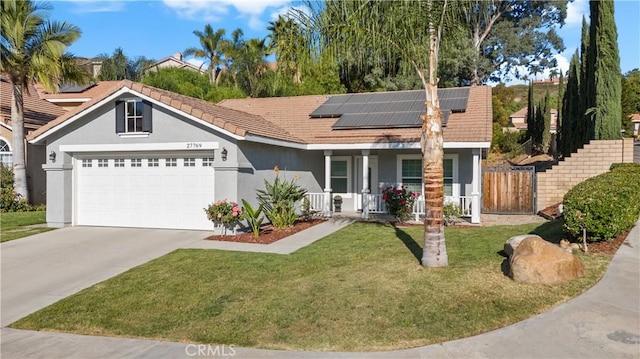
x,y
147,191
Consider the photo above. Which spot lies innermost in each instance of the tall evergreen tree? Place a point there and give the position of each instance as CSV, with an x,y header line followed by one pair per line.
x,y
571,108
604,83
530,112
559,112
546,122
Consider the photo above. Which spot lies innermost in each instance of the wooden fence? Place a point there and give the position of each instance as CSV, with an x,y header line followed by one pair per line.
x,y
508,190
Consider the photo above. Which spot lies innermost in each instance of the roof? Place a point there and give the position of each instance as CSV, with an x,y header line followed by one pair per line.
x,y
287,118
635,117
235,122
88,93
37,112
521,113
178,63
292,114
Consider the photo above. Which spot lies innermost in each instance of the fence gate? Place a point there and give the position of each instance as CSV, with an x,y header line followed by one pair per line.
x,y
508,190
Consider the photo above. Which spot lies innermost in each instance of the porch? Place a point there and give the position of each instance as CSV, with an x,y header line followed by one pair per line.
x,y
374,204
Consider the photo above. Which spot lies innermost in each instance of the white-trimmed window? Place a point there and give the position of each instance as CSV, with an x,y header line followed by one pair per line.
x,y
136,162
103,162
153,162
171,162
341,174
207,162
118,162
133,116
410,173
87,163
6,156
189,162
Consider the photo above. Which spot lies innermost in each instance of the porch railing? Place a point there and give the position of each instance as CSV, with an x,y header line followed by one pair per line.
x,y
377,205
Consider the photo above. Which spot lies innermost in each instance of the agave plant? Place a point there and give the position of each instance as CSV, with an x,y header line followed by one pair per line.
x,y
278,200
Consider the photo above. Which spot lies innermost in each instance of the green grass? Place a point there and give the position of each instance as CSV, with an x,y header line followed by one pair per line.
x,y
361,288
14,225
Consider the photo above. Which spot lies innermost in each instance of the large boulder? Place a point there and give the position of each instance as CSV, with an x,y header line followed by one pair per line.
x,y
512,243
536,261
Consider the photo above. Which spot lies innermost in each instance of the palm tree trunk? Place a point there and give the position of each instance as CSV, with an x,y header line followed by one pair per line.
x,y
434,252
19,153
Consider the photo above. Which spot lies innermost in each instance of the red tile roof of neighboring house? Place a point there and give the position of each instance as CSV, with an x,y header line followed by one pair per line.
x,y
635,117
91,92
37,112
292,114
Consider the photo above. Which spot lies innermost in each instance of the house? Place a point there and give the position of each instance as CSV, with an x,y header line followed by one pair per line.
x,y
37,112
138,156
175,60
70,96
635,121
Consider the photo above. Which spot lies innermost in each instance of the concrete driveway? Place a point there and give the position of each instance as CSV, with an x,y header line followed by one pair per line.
x,y
42,269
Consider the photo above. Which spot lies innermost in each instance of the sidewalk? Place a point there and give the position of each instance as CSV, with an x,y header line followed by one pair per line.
x,y
604,322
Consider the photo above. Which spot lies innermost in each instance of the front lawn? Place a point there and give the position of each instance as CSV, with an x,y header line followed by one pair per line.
x,y
14,225
360,289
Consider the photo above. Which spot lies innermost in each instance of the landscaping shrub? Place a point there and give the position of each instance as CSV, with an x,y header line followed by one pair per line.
x,y
399,201
224,213
605,205
451,212
10,201
279,199
253,217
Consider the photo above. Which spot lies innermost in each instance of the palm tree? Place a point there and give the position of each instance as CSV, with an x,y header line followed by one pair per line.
x,y
252,64
232,50
414,30
211,46
33,49
287,43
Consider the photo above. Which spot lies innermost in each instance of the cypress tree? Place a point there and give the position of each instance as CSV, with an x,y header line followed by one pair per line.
x,y
605,84
558,139
545,136
570,140
530,112
586,63
538,126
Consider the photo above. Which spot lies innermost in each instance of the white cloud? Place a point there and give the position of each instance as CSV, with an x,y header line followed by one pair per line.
x,y
286,10
195,62
85,6
215,10
575,11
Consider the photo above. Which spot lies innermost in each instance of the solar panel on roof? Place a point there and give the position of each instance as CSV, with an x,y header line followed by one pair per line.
x,y
73,88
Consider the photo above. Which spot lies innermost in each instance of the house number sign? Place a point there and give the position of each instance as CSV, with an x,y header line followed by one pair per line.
x,y
194,145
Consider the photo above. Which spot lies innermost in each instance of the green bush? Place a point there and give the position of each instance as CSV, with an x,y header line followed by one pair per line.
x,y
451,212
253,217
605,205
278,200
10,201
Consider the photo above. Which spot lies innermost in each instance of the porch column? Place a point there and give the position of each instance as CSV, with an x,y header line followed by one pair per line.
x,y
326,208
475,184
365,184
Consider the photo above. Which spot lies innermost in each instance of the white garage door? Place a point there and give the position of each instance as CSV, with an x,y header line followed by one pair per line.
x,y
144,192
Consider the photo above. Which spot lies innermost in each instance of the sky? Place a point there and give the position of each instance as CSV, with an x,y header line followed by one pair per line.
x,y
159,28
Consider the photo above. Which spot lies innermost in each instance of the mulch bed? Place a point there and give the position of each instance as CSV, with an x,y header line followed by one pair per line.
x,y
606,247
268,234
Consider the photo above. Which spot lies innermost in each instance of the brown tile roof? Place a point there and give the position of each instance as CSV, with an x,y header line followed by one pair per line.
x,y
292,114
236,122
91,92
635,117
37,112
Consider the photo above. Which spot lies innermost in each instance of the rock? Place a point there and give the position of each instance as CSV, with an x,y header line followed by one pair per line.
x,y
564,244
575,246
512,243
536,261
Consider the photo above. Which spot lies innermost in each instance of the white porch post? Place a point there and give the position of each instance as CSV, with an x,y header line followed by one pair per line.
x,y
326,208
365,184
475,184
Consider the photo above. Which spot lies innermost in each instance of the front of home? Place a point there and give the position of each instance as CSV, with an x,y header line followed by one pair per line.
x,y
137,156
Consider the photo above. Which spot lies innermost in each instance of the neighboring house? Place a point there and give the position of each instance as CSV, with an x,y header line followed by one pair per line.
x,y
70,96
635,120
137,156
37,112
175,61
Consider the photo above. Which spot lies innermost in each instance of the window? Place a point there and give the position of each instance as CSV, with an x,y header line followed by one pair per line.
x,y
136,162
153,162
87,163
103,163
207,162
340,175
6,156
189,162
133,117
410,173
118,162
170,162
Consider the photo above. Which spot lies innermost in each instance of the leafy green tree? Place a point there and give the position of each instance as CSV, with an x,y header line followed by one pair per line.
x,y
210,50
604,79
510,33
190,83
252,65
288,43
33,49
630,99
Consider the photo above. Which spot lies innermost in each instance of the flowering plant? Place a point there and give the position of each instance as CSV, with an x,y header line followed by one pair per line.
x,y
399,201
225,213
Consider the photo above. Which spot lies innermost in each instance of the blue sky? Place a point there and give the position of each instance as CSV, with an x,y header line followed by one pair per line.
x,y
156,29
